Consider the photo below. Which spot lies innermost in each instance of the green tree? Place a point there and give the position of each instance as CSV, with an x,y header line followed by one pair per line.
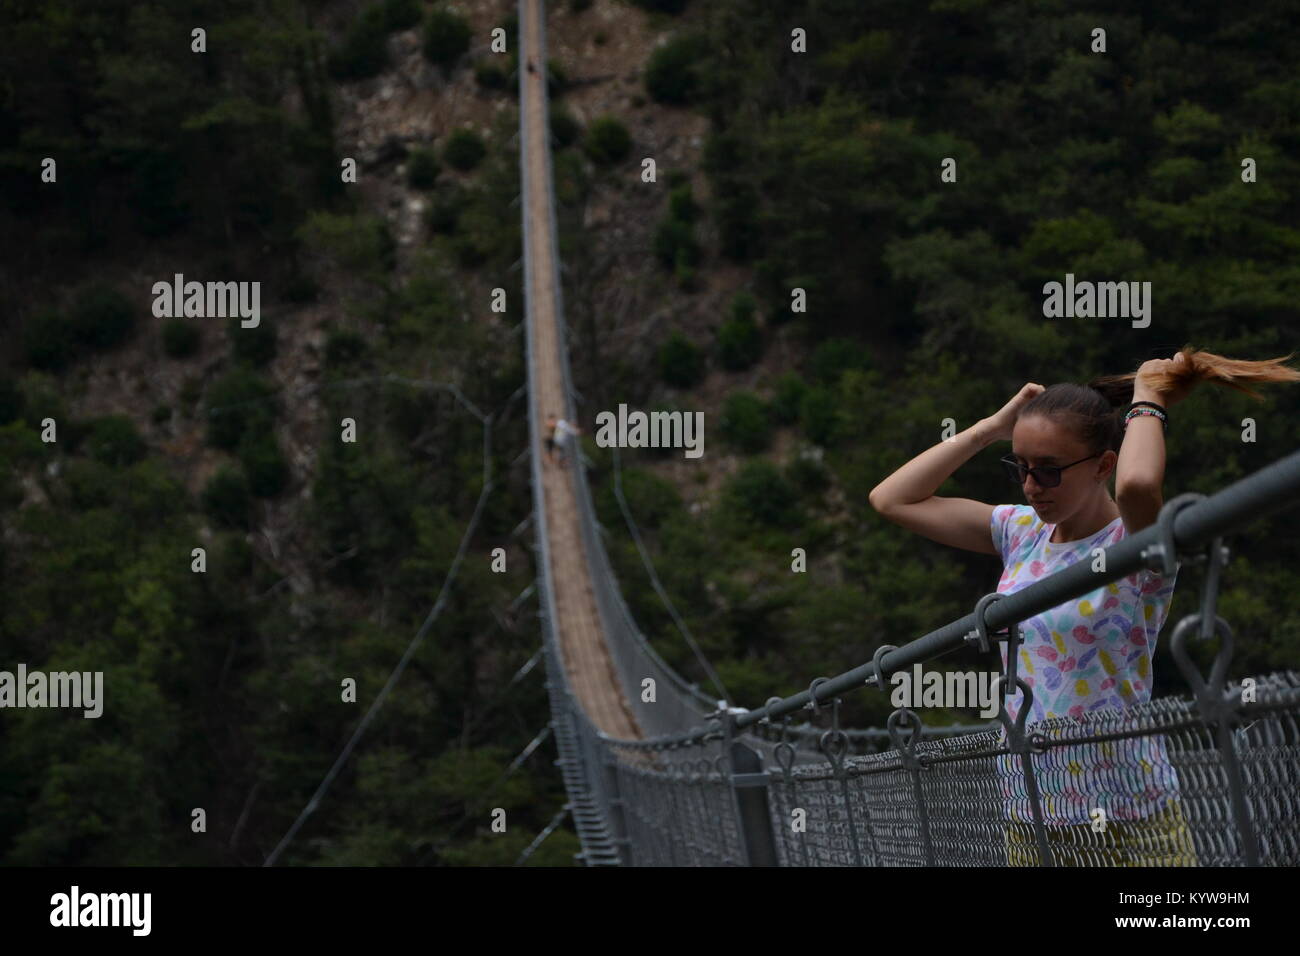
x,y
101,317
114,440
227,498
740,342
422,169
363,52
681,362
674,72
237,402
446,37
746,423
607,141
465,149
180,338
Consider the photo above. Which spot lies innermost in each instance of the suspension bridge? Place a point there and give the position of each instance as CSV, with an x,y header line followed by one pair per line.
x,y
1211,778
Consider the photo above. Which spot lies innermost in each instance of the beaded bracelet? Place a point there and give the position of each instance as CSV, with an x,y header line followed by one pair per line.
x,y
1145,410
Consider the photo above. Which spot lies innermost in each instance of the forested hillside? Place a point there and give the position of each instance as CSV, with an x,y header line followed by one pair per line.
x,y
817,170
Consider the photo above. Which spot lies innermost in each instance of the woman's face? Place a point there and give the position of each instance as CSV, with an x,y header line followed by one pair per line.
x,y
1037,440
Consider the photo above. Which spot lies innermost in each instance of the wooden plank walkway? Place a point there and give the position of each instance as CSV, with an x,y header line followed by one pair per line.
x,y
577,620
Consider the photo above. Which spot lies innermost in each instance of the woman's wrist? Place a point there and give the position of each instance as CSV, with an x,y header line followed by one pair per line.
x,y
1146,395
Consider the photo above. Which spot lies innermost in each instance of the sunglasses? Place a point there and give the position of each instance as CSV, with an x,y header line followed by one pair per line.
x,y
1049,476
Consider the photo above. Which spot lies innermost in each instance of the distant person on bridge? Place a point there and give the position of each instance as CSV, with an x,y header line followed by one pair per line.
x,y
550,438
1093,653
565,435
531,68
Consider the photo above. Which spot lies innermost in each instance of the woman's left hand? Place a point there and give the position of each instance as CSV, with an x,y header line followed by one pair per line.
x,y
1145,390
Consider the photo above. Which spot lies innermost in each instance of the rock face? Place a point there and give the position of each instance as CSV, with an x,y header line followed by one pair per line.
x,y
390,149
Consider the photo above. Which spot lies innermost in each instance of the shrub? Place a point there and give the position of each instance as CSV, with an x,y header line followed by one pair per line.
x,y
446,37
238,402
808,475
607,141
684,270
759,493
790,390
162,414
444,211
557,80
361,244
47,341
650,499
155,194
300,288
422,169
11,401
834,357
89,484
180,338
464,150
681,362
739,341
673,73
255,345
564,127
578,6
819,416
402,14
490,75
363,53
267,471
511,25
675,243
344,346
471,250
226,498
101,317
681,204
745,422
735,212
113,440
743,305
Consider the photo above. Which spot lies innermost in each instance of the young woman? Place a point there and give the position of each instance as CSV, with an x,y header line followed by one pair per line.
x,y
1094,653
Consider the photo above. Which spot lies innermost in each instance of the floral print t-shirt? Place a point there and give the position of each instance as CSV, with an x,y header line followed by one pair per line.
x,y
1089,654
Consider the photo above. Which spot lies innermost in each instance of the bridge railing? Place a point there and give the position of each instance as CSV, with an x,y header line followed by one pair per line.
x,y
584,760
1210,779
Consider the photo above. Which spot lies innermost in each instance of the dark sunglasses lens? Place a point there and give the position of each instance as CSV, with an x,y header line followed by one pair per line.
x,y
1046,475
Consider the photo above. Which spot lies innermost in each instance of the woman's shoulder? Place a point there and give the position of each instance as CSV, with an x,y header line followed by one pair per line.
x,y
1015,514
1014,528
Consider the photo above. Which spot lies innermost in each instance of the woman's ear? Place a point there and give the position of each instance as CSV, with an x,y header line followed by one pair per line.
x,y
1109,460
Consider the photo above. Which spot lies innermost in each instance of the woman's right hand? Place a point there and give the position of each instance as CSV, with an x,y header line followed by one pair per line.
x,y
1003,422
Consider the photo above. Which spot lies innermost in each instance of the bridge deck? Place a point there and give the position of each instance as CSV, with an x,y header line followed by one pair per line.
x,y
577,620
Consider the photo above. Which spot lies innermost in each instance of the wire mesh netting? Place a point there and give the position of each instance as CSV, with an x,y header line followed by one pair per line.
x,y
1142,787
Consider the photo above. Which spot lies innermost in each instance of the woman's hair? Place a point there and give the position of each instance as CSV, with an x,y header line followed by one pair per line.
x,y
1092,410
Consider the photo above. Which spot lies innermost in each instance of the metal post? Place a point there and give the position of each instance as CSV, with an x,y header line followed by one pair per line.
x,y
749,786
614,801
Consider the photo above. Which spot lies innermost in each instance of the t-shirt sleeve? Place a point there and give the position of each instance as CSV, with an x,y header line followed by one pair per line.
x,y
998,522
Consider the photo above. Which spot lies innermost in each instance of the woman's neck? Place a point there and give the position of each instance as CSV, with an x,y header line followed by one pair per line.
x,y
1086,525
